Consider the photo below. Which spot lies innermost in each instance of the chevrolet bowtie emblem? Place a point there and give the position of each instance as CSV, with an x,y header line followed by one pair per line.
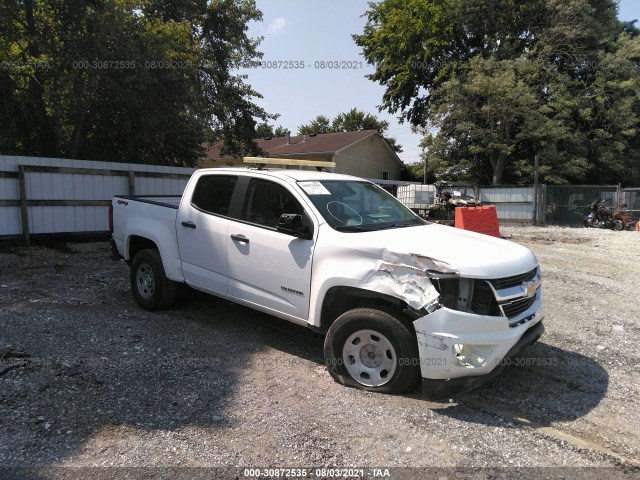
x,y
529,289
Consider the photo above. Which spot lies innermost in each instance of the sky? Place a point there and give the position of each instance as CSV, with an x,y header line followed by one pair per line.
x,y
310,32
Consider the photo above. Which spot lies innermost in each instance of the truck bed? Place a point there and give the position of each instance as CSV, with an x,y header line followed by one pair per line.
x,y
171,201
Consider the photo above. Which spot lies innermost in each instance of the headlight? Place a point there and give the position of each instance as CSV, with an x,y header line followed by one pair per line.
x,y
467,295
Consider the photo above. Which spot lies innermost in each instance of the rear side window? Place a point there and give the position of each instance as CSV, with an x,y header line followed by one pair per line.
x,y
213,193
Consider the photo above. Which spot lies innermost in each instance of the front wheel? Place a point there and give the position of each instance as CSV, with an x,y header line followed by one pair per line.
x,y
591,221
372,350
150,286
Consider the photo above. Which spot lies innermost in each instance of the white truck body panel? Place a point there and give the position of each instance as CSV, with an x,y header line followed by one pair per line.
x,y
273,270
154,219
203,250
290,277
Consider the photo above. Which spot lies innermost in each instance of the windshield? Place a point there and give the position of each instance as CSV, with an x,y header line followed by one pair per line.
x,y
350,205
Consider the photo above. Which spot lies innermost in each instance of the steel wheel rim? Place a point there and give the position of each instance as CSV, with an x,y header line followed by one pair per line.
x,y
370,358
145,281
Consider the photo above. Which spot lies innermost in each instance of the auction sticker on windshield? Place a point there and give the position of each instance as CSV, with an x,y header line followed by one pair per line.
x,y
314,188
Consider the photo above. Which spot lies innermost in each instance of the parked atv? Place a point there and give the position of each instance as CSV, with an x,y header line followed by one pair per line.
x,y
449,197
624,216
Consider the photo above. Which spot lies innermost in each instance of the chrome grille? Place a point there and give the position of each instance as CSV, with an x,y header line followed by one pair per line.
x,y
516,307
514,281
515,296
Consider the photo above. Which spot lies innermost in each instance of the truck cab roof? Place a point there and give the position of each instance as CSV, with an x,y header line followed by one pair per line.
x,y
296,175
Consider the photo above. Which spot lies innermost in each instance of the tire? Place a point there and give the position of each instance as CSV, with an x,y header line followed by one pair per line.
x,y
591,222
150,286
618,226
372,350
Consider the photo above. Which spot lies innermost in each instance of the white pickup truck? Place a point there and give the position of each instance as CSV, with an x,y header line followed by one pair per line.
x,y
399,299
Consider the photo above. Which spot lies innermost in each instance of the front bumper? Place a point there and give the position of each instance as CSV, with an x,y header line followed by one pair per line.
x,y
442,389
459,350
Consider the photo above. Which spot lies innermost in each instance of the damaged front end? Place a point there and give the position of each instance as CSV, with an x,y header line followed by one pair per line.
x,y
465,327
409,276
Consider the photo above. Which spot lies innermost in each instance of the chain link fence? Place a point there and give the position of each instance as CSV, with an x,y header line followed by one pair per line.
x,y
568,204
557,204
631,198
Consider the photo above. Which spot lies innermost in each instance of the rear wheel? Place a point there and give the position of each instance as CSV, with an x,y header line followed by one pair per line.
x,y
150,286
618,225
372,350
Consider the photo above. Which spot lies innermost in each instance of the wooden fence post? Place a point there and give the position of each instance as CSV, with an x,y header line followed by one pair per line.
x,y
24,212
132,182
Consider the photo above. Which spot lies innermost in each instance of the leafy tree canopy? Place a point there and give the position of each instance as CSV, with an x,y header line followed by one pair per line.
x,y
264,130
350,121
503,80
126,80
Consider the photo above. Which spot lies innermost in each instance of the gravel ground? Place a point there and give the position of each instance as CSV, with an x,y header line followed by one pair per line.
x,y
88,379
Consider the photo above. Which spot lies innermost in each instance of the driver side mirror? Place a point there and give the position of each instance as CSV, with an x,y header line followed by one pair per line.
x,y
296,225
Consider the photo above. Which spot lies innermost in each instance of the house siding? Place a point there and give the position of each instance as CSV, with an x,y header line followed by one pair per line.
x,y
368,159
234,162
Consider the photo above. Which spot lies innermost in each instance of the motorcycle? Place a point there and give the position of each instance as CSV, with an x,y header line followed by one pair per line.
x,y
601,216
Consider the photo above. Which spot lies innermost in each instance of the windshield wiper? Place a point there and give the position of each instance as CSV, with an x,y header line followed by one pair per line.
x,y
395,225
372,227
350,228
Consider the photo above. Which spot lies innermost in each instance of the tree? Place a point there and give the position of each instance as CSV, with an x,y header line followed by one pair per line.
x,y
351,121
140,81
355,119
505,80
264,130
281,131
320,124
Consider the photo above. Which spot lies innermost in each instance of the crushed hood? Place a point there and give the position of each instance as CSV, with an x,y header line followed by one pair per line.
x,y
473,255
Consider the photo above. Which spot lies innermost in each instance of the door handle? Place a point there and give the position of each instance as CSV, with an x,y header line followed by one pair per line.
x,y
189,224
240,238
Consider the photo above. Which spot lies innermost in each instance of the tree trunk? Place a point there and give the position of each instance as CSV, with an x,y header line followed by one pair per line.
x,y
497,163
499,157
79,135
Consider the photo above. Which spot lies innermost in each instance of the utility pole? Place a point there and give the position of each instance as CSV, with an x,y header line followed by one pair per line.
x,y
426,164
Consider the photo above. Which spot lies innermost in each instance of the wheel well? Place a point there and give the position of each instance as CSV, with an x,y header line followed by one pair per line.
x,y
342,299
137,243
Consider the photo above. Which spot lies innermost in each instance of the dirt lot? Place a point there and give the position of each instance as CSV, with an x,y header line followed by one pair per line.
x,y
88,379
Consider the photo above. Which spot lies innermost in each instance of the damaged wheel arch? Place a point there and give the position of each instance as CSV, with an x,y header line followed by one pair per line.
x,y
339,300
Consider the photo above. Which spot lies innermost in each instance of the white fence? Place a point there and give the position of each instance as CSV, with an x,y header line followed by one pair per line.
x,y
513,204
53,195
557,204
